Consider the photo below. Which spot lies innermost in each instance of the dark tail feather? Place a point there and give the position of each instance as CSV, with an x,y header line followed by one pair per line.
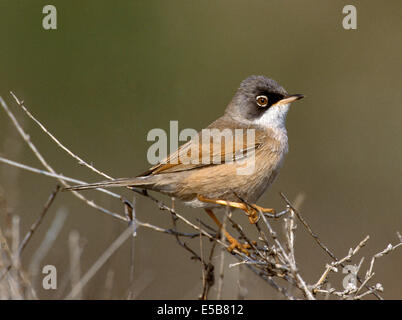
x,y
123,182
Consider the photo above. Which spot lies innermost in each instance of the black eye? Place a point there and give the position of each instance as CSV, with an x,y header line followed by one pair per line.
x,y
262,101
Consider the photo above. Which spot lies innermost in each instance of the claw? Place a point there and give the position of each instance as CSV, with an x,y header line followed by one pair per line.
x,y
254,213
234,244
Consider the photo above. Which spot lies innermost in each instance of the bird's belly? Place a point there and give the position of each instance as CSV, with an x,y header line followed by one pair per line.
x,y
224,182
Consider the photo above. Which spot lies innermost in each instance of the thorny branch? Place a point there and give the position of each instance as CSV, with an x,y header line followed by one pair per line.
x,y
322,245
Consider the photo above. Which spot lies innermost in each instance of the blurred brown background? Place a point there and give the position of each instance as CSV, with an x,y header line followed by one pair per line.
x,y
114,70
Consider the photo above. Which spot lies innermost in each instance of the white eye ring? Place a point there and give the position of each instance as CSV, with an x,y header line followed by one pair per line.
x,y
262,101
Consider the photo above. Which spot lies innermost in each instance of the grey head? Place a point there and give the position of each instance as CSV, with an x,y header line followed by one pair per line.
x,y
260,101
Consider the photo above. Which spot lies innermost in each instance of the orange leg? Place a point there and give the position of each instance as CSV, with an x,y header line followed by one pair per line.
x,y
252,212
234,244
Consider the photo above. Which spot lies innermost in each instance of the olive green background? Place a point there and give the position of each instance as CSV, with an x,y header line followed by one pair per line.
x,y
113,70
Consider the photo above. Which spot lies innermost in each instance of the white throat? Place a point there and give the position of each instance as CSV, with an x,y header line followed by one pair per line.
x,y
274,117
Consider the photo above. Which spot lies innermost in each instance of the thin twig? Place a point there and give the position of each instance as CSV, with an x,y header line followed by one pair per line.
x,y
58,143
53,175
222,258
333,265
304,222
36,224
36,152
299,280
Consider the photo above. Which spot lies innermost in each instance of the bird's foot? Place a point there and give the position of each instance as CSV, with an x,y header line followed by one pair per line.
x,y
235,244
252,211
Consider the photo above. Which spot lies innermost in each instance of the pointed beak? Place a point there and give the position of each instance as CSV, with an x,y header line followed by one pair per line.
x,y
289,99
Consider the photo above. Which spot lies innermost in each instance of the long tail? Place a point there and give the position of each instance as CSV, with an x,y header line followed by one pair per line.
x,y
123,182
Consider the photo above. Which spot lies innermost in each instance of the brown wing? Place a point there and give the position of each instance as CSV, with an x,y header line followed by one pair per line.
x,y
209,148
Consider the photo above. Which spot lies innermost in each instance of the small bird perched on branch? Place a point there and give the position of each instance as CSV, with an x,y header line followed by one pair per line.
x,y
231,162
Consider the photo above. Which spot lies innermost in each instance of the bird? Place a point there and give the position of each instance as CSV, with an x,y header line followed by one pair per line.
x,y
230,163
